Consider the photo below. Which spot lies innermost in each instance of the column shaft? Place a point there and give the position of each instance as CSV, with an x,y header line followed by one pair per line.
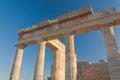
x,y
39,67
112,52
58,68
71,64
17,65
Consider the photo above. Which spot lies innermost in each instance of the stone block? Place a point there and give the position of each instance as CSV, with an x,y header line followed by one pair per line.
x,y
81,12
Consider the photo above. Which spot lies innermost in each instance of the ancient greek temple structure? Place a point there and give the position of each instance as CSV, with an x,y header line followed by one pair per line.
x,y
67,26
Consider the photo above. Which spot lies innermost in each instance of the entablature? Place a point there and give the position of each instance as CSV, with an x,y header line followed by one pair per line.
x,y
53,29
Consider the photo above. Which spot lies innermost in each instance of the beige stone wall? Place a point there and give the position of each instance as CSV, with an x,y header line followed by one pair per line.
x,y
96,71
81,67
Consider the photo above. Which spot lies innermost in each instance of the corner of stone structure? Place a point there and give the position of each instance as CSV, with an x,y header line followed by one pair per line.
x,y
41,40
85,11
91,9
103,26
19,32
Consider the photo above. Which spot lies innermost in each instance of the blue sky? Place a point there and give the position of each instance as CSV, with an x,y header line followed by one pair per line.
x,y
19,14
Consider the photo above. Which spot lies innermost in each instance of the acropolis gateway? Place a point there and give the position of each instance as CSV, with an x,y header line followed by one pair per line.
x,y
67,26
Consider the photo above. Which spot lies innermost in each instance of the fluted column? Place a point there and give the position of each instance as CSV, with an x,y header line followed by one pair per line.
x,y
113,55
39,66
17,63
71,64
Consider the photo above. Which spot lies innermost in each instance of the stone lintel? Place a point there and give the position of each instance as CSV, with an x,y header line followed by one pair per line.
x,y
73,14
88,25
53,44
56,44
86,10
75,26
81,12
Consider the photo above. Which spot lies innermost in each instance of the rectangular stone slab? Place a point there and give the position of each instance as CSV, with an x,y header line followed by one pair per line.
x,y
81,12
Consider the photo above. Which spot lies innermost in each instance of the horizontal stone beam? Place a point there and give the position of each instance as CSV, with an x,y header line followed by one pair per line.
x,y
74,26
77,13
53,44
56,44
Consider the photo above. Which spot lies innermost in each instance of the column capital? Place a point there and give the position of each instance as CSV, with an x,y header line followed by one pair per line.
x,y
20,46
68,33
40,40
108,29
104,26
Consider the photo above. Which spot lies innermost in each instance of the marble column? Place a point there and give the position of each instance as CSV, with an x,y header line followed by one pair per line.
x,y
39,66
71,63
113,55
62,62
58,68
17,63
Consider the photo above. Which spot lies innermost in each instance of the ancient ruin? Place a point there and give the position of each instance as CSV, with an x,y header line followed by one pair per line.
x,y
67,26
91,71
